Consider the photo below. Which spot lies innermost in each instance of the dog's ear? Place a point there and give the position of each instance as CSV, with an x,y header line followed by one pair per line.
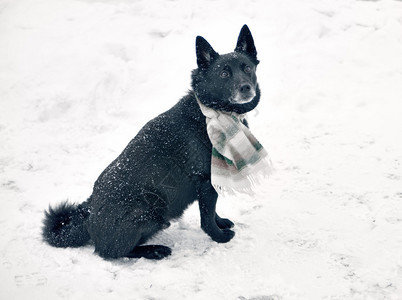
x,y
245,43
205,53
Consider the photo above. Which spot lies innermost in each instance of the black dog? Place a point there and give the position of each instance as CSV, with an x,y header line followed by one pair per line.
x,y
166,167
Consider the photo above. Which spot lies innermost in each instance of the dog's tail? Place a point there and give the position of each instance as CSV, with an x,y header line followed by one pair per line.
x,y
63,225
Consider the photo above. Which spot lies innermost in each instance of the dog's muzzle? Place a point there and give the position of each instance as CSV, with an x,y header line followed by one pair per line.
x,y
244,94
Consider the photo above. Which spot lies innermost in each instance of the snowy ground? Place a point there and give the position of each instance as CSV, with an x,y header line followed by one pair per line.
x,y
78,79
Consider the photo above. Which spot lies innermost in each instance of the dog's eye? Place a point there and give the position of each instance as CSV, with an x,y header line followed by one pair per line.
x,y
247,69
224,74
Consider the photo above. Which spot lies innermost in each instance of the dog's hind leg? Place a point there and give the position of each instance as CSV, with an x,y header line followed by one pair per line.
x,y
150,252
119,247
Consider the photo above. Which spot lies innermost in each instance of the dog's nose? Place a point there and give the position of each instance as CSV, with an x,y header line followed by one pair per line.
x,y
245,88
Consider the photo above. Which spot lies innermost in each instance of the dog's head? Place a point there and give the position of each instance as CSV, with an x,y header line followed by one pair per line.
x,y
227,82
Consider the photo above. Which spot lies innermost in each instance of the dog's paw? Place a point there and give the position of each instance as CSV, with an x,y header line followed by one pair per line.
x,y
160,253
224,223
150,252
224,236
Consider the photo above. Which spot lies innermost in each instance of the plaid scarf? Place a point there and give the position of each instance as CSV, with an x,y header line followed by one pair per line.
x,y
238,159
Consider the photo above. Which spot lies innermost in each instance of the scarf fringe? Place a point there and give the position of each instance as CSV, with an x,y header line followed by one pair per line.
x,y
248,183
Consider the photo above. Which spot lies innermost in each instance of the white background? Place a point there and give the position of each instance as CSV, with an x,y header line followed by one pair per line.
x,y
78,79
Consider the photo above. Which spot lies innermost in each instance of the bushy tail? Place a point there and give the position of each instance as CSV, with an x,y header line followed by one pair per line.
x,y
63,225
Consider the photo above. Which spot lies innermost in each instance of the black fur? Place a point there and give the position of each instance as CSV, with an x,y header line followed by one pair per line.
x,y
166,167
63,225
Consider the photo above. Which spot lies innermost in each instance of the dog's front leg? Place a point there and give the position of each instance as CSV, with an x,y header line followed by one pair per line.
x,y
211,223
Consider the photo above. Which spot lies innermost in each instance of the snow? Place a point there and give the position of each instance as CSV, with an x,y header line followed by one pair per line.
x,y
78,79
